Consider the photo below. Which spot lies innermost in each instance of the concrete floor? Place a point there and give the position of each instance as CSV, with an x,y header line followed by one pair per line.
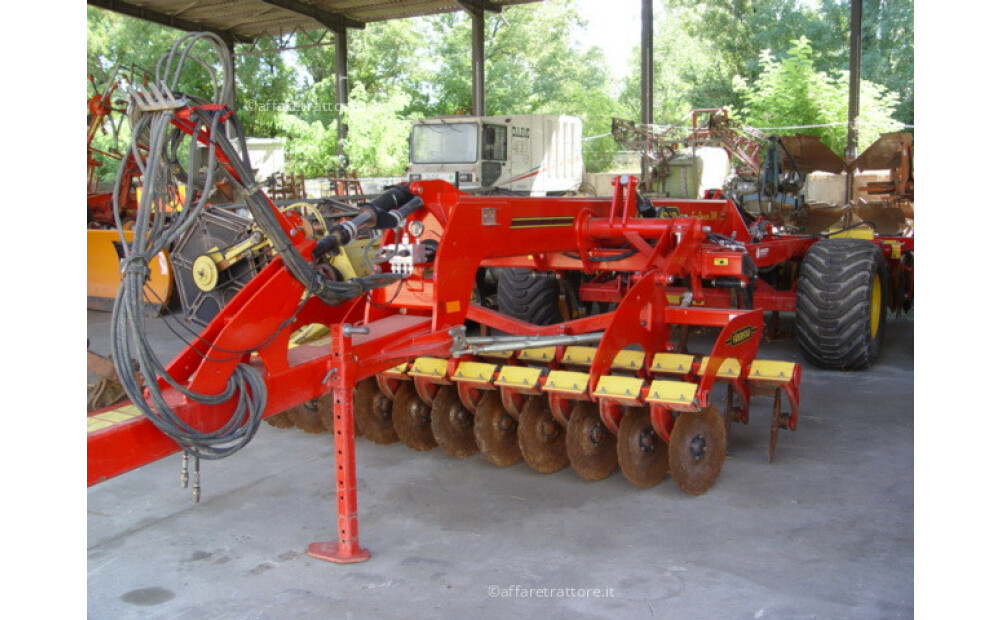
x,y
826,531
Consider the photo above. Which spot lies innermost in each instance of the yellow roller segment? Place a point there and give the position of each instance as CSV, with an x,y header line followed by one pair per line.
x,y
771,371
628,360
524,377
431,367
566,381
666,392
673,363
479,372
628,388
729,369
579,356
538,354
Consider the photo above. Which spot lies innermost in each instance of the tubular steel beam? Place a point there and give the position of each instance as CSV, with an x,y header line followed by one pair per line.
x,y
149,15
340,61
854,83
646,77
478,62
333,21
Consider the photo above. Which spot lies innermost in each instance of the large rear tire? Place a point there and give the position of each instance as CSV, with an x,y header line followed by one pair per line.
x,y
841,304
523,295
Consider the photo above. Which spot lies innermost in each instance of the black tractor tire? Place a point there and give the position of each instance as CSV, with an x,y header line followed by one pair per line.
x,y
840,305
526,295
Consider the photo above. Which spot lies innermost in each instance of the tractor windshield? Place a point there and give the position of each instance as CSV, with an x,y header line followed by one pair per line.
x,y
445,143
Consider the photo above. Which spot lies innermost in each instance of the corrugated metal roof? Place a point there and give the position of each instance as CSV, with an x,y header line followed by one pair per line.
x,y
248,19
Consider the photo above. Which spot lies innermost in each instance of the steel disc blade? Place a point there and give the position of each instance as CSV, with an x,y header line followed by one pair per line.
x,y
373,413
697,450
541,438
306,418
590,446
452,424
496,431
411,417
280,420
325,406
642,454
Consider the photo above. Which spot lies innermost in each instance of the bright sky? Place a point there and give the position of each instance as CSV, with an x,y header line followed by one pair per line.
x,y
614,27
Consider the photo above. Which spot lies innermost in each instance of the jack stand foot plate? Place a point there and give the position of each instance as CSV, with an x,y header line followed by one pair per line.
x,y
331,552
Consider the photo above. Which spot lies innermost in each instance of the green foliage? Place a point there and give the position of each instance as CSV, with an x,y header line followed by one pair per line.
x,y
689,72
791,92
263,81
385,58
267,81
739,31
310,148
538,60
378,138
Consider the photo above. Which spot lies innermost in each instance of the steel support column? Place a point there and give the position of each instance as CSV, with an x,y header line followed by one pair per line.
x,y
854,82
853,97
340,62
478,62
646,79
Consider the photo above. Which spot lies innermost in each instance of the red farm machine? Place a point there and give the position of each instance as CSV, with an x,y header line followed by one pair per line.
x,y
576,331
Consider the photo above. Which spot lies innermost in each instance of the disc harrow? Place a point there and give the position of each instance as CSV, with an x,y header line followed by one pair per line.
x,y
613,385
535,405
546,414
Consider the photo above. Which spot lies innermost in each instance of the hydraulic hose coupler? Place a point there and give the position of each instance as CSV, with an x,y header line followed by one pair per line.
x,y
389,210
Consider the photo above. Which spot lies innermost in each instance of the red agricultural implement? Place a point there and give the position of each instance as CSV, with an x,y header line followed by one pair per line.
x,y
581,331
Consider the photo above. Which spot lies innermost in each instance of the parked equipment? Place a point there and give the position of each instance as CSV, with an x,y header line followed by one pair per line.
x,y
587,332
531,154
613,384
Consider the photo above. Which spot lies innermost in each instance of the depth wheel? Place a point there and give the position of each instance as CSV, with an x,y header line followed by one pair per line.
x,y
697,449
541,438
452,424
591,448
373,413
496,431
411,417
642,454
840,303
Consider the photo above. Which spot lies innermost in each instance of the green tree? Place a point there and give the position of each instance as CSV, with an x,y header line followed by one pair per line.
x,y
740,30
269,82
791,92
310,148
688,71
386,58
135,46
887,49
378,138
536,62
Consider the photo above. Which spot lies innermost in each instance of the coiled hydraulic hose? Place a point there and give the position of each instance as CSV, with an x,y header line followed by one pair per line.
x,y
155,143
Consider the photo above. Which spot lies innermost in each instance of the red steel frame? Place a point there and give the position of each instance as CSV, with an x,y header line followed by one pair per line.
x,y
417,317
